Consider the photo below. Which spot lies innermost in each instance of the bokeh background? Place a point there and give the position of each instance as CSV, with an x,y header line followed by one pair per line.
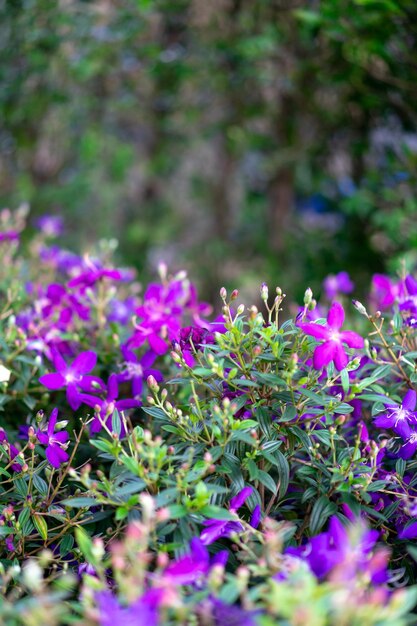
x,y
245,140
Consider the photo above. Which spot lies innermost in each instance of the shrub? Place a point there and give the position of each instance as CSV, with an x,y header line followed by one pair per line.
x,y
159,466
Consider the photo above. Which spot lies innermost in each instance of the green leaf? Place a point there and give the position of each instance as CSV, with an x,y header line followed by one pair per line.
x,y
102,444
40,525
25,522
155,412
131,464
40,485
283,473
79,503
217,512
267,480
66,545
176,511
84,543
344,377
323,508
116,422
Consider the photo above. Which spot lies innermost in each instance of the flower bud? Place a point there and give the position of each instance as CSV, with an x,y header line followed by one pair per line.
x,y
223,293
175,357
359,307
234,294
264,292
152,384
308,296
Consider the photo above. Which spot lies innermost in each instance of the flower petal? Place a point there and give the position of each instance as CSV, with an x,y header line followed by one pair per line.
x,y
409,400
336,316
324,354
240,499
410,532
157,344
52,381
84,363
340,358
73,397
407,450
352,339
315,330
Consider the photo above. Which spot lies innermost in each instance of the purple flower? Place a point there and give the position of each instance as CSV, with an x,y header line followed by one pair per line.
x,y
384,291
409,447
409,532
216,529
136,372
10,235
139,613
162,312
335,284
50,225
55,442
72,376
333,339
344,554
106,406
400,417
92,273
189,568
12,451
122,311
409,302
231,614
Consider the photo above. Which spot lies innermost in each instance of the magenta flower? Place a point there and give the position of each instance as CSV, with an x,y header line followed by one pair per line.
x,y
55,442
216,529
409,300
332,348
105,406
189,568
136,372
72,376
162,313
11,450
335,284
384,291
409,448
92,273
50,225
336,551
400,417
10,235
409,532
111,613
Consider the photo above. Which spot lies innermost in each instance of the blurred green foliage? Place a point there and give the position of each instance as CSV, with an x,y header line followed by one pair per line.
x,y
239,138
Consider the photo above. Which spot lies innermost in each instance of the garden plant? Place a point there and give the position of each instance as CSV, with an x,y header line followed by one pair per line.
x,y
162,464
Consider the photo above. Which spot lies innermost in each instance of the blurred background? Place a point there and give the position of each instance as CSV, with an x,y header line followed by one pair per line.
x,y
245,140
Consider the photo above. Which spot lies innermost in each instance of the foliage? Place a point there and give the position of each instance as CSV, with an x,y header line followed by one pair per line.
x,y
163,467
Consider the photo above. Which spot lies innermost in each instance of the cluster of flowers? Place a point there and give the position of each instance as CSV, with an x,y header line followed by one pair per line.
x,y
272,433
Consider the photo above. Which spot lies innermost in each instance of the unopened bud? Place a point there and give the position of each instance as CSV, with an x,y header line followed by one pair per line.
x,y
234,294
264,292
359,307
308,296
175,357
152,384
223,293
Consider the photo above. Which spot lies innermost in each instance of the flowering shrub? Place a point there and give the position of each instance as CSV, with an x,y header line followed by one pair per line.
x,y
160,465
